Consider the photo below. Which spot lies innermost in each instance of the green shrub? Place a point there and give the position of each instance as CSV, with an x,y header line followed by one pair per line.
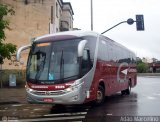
x,y
142,67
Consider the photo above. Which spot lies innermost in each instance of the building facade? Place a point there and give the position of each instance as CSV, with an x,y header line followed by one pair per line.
x,y
35,18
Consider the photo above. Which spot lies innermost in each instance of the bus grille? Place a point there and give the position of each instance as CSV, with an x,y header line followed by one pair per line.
x,y
59,92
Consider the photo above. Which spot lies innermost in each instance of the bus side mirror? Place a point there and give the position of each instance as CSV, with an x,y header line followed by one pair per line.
x,y
20,50
81,46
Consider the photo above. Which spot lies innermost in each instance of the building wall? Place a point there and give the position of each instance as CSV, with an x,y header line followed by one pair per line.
x,y
67,17
30,20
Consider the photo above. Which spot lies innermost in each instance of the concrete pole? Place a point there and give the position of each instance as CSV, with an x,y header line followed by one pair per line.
x,y
91,15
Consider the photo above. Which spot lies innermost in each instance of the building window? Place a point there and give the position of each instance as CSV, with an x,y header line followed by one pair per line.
x,y
56,29
57,10
60,12
70,23
52,14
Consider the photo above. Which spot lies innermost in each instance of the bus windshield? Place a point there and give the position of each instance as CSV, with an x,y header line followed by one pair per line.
x,y
53,62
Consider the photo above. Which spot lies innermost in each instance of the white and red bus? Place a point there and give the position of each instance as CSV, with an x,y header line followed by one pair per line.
x,y
76,67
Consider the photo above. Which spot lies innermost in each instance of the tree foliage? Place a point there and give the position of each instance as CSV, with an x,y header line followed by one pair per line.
x,y
6,49
142,67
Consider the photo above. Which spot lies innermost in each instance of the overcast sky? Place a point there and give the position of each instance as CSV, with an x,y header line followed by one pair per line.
x,y
107,13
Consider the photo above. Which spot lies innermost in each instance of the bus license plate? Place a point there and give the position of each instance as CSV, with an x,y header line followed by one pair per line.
x,y
48,100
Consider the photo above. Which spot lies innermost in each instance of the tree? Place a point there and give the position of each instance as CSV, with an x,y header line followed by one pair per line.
x,y
142,67
6,49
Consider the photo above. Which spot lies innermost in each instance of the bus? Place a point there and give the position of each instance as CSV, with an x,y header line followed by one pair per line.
x,y
77,67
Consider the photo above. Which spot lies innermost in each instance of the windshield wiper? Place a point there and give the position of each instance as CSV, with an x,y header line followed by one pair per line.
x,y
61,67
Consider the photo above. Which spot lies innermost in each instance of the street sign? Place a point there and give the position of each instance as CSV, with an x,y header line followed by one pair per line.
x,y
140,22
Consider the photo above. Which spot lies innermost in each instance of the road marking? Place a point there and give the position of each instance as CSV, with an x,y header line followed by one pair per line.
x,y
64,114
109,114
157,94
16,105
37,109
47,119
151,98
25,109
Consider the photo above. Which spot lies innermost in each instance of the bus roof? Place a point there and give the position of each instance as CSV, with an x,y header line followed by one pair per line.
x,y
64,35
73,34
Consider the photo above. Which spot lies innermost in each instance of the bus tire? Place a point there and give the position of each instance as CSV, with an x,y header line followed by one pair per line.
x,y
100,95
128,91
123,92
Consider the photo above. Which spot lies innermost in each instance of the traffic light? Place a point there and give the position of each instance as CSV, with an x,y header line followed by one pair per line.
x,y
140,22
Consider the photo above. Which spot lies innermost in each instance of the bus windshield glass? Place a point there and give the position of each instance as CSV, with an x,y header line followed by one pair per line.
x,y
53,62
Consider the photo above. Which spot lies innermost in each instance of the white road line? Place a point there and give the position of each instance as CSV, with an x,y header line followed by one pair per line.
x,y
109,114
3,110
47,119
157,94
37,109
10,121
25,109
151,98
16,105
62,114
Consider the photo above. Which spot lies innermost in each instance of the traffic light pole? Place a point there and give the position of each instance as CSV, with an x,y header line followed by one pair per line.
x,y
113,27
129,21
139,22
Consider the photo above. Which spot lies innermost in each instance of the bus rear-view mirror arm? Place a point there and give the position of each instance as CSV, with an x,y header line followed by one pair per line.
x,y
81,46
20,50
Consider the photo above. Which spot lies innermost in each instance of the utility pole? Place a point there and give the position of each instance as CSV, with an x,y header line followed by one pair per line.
x,y
91,15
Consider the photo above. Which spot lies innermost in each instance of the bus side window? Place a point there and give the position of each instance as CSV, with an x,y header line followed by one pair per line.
x,y
86,62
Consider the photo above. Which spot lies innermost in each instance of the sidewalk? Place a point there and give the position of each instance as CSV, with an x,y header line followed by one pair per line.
x,y
148,74
12,95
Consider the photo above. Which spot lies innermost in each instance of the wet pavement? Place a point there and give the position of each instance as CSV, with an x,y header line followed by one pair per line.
x,y
142,105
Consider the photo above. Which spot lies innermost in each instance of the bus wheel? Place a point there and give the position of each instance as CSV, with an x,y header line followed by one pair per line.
x,y
128,91
100,96
123,92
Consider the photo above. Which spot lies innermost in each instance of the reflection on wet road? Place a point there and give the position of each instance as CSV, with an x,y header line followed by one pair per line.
x,y
144,100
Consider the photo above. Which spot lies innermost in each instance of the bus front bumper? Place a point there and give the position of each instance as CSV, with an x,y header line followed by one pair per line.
x,y
69,96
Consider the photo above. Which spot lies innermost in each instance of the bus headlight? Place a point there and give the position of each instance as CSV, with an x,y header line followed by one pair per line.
x,y
74,87
68,89
28,89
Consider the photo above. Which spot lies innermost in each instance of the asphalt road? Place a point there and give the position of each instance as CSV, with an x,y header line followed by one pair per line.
x,y
142,105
